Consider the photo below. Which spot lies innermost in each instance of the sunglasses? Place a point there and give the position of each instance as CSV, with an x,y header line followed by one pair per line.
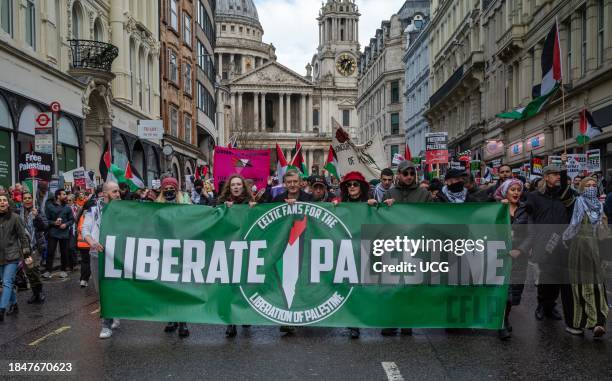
x,y
408,173
352,184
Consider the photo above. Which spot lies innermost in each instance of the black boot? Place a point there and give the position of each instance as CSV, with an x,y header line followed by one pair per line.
x,y
37,295
1,315
13,309
183,331
171,327
230,331
539,312
354,333
388,331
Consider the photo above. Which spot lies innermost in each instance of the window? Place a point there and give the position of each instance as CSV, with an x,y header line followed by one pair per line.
x,y
30,23
174,121
187,79
395,92
201,13
188,129
600,32
233,29
346,118
187,29
568,48
395,123
174,14
201,96
223,28
201,54
76,22
172,66
583,53
6,16
315,117
394,150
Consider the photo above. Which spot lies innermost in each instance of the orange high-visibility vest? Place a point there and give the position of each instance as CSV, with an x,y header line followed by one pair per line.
x,y
81,243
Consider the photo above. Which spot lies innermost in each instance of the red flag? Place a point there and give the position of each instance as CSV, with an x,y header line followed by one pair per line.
x,y
105,162
407,154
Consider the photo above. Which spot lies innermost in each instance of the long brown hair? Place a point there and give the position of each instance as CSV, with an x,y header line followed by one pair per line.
x,y
226,194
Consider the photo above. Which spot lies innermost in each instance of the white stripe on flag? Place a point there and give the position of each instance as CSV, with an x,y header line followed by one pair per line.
x,y
548,82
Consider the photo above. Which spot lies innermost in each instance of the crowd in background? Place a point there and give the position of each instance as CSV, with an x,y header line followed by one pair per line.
x,y
37,227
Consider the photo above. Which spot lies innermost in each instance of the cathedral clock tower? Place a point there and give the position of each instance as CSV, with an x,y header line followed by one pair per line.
x,y
335,63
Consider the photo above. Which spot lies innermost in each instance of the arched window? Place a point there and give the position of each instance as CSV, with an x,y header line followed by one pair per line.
x,y
68,141
5,115
152,166
6,154
138,158
77,21
98,30
25,129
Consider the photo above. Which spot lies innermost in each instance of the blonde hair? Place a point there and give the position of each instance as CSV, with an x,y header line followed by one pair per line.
x,y
584,181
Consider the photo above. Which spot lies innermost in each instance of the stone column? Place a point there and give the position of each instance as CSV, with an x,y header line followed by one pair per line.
x,y
263,112
289,124
576,45
608,31
357,31
220,64
526,80
234,112
303,112
256,112
239,112
592,25
281,110
309,121
537,57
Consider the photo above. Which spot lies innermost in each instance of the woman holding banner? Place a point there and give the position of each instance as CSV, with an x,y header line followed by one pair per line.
x,y
510,192
587,279
235,191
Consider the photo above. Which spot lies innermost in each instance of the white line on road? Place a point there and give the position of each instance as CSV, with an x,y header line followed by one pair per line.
x,y
393,373
95,311
56,332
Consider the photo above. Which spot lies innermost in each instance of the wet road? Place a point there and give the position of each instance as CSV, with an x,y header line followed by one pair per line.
x,y
65,329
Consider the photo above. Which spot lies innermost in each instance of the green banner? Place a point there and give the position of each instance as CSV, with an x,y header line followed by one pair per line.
x,y
307,264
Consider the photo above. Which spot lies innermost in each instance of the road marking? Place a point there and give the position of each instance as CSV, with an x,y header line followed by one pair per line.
x,y
95,311
48,335
393,373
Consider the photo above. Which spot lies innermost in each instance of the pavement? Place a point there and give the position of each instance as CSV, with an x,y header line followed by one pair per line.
x,y
65,330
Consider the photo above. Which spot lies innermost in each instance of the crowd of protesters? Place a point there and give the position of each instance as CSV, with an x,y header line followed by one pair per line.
x,y
572,217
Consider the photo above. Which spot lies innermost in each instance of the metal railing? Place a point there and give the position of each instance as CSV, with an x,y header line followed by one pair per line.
x,y
88,54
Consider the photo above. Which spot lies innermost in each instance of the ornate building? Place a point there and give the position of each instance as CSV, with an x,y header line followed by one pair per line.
x,y
98,58
381,79
262,102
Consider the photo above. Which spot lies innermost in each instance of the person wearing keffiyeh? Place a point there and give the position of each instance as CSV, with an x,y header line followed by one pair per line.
x,y
589,308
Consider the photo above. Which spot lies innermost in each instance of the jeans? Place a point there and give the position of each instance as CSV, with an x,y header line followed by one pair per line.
x,y
64,253
7,272
106,323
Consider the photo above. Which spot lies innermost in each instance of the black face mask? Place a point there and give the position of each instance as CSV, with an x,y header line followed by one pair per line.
x,y
199,189
456,187
170,195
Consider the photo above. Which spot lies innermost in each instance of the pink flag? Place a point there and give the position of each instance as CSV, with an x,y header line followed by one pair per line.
x,y
249,163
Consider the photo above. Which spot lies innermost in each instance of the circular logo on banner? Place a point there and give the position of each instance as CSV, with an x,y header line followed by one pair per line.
x,y
55,106
311,268
43,119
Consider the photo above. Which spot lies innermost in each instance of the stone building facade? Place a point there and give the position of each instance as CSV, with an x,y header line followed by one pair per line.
x,y
82,54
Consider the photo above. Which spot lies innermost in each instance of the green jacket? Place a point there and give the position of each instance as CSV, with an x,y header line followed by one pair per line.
x,y
408,193
13,238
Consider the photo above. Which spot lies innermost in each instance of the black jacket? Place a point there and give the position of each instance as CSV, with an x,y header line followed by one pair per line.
x,y
551,209
54,211
303,196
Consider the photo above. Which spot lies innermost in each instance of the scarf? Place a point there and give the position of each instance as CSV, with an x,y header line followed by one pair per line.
x,y
379,192
502,190
455,197
586,204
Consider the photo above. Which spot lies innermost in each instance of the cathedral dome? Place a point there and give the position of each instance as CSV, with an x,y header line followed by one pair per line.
x,y
238,11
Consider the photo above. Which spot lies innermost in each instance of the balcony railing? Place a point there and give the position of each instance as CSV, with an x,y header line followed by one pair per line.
x,y
95,55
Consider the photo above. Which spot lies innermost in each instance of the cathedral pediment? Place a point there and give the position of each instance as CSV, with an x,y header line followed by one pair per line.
x,y
271,73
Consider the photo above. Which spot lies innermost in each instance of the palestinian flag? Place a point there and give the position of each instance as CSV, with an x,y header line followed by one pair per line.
x,y
331,165
551,62
281,163
105,162
532,109
298,159
551,79
407,154
588,128
132,180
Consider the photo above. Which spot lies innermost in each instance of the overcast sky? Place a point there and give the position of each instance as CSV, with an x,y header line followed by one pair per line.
x,y
292,27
